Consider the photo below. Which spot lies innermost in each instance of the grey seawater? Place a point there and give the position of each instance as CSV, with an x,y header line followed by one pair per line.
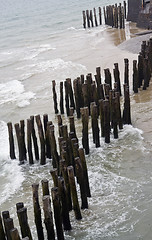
x,y
44,40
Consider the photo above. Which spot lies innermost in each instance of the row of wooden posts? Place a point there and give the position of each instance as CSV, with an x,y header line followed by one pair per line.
x,y
142,69
64,199
108,109
114,16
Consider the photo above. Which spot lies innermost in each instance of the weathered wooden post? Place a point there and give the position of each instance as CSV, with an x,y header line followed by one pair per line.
x,y
78,95
135,77
91,18
45,187
14,234
67,104
42,140
94,121
85,170
126,73
72,126
29,141
146,74
19,205
125,11
48,218
140,69
61,98
54,174
54,97
70,90
22,127
95,17
36,149
20,143
9,225
85,122
81,182
11,141
126,112
57,213
123,18
64,202
100,16
23,221
76,207
46,133
88,18
105,16
120,15
37,212
117,77
108,79
67,184
84,19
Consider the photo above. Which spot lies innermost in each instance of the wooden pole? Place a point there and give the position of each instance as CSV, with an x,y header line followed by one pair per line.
x,y
81,182
37,212
9,225
22,127
29,141
14,234
67,184
54,174
45,187
76,207
61,99
19,141
36,149
47,141
23,222
100,16
117,77
85,171
135,77
126,73
11,141
42,139
67,105
19,205
88,18
84,19
57,213
85,122
48,218
91,18
64,202
54,97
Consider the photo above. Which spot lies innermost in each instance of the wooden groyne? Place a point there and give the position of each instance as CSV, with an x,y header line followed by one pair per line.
x,y
114,16
55,206
104,113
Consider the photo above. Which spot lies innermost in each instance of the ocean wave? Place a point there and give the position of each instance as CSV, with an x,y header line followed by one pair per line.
x,y
14,92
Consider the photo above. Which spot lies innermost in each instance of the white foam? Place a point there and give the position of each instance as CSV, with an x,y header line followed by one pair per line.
x,y
11,176
14,92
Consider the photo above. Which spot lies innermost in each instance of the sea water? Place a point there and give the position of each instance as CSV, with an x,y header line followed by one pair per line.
x,y
43,41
